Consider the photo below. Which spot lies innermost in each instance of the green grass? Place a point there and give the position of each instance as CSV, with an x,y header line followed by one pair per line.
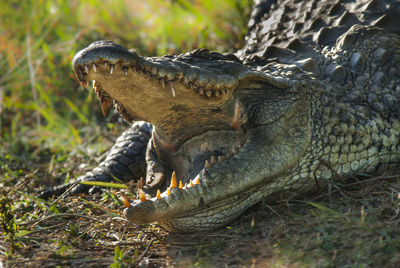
x,y
42,105
50,127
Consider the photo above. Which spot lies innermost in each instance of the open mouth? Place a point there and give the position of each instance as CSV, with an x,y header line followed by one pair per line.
x,y
176,182
203,149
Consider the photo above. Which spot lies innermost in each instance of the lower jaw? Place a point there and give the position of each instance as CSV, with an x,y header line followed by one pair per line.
x,y
208,219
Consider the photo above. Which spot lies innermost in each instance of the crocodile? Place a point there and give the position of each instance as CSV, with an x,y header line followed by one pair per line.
x,y
312,97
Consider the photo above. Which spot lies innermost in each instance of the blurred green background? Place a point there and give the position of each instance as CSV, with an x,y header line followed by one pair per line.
x,y
43,111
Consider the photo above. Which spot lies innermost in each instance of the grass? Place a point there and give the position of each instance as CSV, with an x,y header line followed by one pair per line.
x,y
53,131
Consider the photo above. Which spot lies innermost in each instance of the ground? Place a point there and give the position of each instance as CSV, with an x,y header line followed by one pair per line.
x,y
352,226
52,131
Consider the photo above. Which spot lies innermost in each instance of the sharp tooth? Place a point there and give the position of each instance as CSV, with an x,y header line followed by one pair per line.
x,y
201,91
208,93
163,83
168,192
191,184
197,180
93,84
153,138
141,183
125,70
142,196
104,106
125,200
173,180
203,172
207,164
94,67
212,160
220,159
171,86
180,185
217,93
105,64
158,194
86,69
111,68
185,186
98,95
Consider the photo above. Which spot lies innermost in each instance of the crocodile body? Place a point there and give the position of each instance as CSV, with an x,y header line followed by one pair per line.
x,y
313,96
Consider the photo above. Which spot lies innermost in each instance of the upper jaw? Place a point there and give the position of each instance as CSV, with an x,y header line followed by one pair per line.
x,y
181,95
200,73
192,70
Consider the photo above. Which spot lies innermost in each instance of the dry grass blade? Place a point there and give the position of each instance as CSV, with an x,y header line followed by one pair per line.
x,y
61,215
32,77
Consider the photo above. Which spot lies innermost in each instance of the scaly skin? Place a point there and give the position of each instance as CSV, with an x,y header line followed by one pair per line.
x,y
312,98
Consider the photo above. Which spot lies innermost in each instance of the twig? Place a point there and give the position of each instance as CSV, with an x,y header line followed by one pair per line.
x,y
64,194
46,228
138,260
273,210
64,215
137,227
359,182
372,179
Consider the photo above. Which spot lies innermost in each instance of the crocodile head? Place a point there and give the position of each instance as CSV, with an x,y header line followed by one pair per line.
x,y
212,115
